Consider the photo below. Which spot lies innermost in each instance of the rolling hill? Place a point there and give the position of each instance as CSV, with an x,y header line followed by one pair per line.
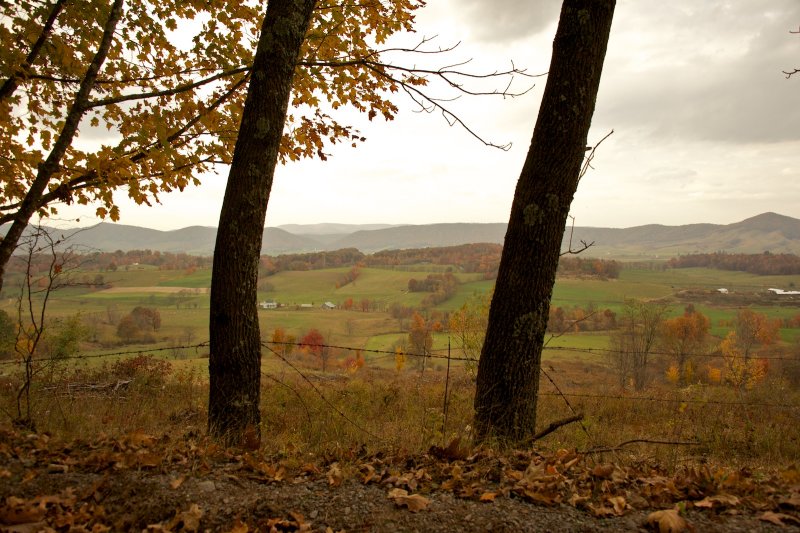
x,y
768,231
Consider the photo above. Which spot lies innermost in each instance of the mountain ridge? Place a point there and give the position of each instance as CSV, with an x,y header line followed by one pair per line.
x,y
765,232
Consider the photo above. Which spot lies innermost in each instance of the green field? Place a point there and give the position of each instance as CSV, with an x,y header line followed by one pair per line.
x,y
183,301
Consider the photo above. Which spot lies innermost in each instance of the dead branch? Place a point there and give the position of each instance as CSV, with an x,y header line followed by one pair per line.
x,y
557,424
566,401
619,447
584,245
587,164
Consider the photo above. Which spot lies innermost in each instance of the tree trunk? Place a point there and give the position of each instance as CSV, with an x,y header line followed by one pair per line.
x,y
235,361
508,372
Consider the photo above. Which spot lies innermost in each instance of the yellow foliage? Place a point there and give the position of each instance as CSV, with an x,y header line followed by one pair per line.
x,y
170,106
399,359
673,374
742,370
714,375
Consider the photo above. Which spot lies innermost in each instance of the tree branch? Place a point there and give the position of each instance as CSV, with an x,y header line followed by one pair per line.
x,y
618,447
46,169
555,425
10,85
166,92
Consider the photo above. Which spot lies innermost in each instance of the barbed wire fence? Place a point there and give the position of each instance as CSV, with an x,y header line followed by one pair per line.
x,y
433,354
559,392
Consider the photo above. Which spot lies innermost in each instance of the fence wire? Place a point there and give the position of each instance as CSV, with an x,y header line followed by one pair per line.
x,y
382,354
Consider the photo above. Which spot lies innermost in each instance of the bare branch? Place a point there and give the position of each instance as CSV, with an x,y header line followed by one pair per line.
x,y
555,425
587,164
618,447
584,245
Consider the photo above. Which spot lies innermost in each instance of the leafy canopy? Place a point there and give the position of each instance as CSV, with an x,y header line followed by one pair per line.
x,y
165,104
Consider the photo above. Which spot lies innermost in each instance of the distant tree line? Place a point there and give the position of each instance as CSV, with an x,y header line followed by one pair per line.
x,y
118,260
467,258
441,286
596,268
766,264
310,261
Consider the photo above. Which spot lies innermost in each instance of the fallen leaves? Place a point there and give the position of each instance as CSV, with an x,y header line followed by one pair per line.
x,y
667,521
186,467
414,502
779,519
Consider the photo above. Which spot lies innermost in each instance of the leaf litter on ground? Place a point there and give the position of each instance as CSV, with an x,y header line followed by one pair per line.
x,y
410,481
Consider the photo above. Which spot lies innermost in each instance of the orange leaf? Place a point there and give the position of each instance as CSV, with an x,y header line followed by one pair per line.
x,y
667,521
239,527
488,496
414,502
779,519
335,476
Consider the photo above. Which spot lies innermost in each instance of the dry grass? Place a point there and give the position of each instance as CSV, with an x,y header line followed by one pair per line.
x,y
386,409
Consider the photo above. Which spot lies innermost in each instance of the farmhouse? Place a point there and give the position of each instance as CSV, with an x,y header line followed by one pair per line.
x,y
328,306
782,292
272,304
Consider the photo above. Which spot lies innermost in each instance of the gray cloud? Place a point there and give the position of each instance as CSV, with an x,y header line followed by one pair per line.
x,y
507,20
711,72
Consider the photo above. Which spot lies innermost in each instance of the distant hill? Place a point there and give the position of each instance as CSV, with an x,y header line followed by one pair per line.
x,y
768,231
422,236
196,240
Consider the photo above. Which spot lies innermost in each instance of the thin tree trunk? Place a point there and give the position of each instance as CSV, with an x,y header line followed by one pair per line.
x,y
235,361
508,372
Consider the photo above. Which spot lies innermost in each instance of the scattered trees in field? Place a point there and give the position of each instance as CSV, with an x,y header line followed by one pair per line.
x,y
594,268
467,325
441,286
139,325
348,277
683,337
420,336
314,343
630,346
576,319
739,348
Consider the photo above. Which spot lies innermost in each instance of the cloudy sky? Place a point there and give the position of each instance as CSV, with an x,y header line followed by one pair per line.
x,y
707,127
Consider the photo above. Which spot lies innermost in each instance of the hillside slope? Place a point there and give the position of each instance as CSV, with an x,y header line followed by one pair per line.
x,y
768,231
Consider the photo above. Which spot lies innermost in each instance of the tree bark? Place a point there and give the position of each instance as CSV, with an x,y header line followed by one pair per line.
x,y
508,371
235,360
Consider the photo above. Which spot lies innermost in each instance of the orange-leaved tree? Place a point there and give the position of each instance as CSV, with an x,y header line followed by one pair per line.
x,y
146,96
683,337
739,349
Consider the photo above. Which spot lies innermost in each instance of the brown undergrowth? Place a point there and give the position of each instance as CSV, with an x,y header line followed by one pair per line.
x,y
389,410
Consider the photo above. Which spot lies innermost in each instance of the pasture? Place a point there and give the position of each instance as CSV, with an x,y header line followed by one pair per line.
x,y
574,364
182,299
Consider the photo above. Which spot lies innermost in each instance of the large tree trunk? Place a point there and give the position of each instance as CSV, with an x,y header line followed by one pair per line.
x,y
508,372
235,362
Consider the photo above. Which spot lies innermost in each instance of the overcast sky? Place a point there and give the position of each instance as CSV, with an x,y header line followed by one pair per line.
x,y
707,127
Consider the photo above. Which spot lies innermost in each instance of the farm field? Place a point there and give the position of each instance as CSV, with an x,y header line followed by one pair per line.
x,y
368,367
182,299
